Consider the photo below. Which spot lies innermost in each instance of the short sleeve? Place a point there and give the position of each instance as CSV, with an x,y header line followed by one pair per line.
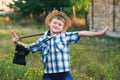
x,y
34,47
72,37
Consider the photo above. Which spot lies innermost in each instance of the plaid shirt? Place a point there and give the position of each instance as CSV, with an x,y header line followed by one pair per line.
x,y
55,53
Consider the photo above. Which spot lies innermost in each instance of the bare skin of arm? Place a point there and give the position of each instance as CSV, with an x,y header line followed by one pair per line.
x,y
15,39
90,34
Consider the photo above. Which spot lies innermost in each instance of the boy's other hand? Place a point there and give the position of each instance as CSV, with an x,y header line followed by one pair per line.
x,y
104,30
14,37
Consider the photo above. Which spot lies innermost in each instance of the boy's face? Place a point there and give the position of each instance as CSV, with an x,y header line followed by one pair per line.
x,y
56,25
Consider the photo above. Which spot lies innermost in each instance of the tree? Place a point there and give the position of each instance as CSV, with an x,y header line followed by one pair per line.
x,y
25,7
36,7
50,4
81,6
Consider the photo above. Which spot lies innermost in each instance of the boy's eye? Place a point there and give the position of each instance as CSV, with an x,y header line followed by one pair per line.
x,y
55,22
59,24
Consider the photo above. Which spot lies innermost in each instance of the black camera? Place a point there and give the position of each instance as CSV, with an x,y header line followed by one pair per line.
x,y
20,55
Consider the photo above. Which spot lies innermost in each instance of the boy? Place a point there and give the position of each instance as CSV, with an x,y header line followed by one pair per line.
x,y
54,45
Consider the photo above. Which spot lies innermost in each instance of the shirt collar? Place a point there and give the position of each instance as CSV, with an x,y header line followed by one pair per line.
x,y
47,35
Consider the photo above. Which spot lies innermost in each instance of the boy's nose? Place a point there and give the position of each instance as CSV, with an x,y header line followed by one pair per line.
x,y
57,25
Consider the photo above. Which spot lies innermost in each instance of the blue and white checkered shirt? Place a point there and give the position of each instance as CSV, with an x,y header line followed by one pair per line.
x,y
55,53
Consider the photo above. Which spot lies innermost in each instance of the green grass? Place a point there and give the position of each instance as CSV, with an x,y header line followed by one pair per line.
x,y
92,58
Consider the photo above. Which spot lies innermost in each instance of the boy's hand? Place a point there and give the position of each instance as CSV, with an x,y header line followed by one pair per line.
x,y
104,30
14,37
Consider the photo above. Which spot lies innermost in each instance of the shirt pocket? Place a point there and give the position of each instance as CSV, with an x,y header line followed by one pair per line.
x,y
60,46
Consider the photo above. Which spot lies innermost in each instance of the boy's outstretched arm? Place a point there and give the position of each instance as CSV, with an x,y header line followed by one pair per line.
x,y
15,39
90,34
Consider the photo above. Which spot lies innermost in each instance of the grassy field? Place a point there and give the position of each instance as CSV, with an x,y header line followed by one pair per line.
x,y
93,58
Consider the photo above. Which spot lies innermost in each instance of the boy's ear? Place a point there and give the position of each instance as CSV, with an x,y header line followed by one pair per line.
x,y
48,24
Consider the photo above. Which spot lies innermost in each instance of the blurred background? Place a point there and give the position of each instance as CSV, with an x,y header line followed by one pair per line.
x,y
92,58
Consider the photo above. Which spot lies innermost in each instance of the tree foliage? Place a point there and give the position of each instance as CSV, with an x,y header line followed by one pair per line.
x,y
81,6
50,4
36,7
25,7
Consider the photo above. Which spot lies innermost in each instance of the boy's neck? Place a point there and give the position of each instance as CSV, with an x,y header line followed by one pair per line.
x,y
53,33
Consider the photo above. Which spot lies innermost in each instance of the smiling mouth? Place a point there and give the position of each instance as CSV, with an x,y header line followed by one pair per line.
x,y
56,27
